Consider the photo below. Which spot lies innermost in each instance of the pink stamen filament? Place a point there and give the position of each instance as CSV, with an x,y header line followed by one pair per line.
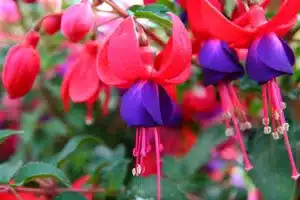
x,y
226,99
277,100
157,151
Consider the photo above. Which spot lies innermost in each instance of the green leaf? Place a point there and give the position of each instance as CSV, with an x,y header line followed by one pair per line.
x,y
155,13
29,123
8,170
198,156
34,170
71,146
145,188
7,132
271,172
229,7
70,196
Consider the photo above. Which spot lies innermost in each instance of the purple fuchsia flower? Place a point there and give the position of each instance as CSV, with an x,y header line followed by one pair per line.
x,y
220,66
270,57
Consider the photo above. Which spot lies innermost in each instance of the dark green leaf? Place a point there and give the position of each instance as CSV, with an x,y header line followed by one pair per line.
x,y
71,146
70,196
8,170
155,13
29,123
146,188
34,170
201,152
272,172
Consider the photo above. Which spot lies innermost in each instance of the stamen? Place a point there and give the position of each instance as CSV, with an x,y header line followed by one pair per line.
x,y
229,132
133,171
275,135
157,162
267,129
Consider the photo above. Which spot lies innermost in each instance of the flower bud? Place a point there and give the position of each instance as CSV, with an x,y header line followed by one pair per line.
x,y
51,24
51,5
21,66
77,21
29,1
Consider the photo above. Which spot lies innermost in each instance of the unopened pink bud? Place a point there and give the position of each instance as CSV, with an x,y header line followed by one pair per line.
x,y
51,24
77,21
21,66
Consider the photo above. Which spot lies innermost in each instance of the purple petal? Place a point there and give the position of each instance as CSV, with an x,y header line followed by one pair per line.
x,y
273,54
151,101
289,52
256,69
166,106
132,108
176,119
212,77
217,56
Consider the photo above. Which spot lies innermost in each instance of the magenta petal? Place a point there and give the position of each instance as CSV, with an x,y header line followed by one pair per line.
x,y
289,52
132,108
150,98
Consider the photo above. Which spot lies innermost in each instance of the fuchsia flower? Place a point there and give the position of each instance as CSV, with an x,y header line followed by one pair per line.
x,y
268,57
83,70
21,66
146,104
77,21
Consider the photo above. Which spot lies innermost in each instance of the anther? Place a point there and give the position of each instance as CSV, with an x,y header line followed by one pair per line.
x,y
138,170
229,132
133,172
286,126
267,129
275,135
248,125
284,105
280,130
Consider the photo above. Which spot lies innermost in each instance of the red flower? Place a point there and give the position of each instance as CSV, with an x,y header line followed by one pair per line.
x,y
172,65
83,70
77,21
21,66
199,11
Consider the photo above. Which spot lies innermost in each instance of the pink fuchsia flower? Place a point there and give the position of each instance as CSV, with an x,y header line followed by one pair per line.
x,y
21,66
146,104
9,12
83,70
77,21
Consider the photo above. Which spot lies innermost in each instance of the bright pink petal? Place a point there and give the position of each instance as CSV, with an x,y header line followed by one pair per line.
x,y
64,90
123,53
176,56
285,28
286,14
84,82
231,33
104,71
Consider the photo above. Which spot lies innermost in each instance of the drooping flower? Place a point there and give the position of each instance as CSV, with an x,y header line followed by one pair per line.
x,y
220,66
21,66
83,70
268,54
77,21
146,105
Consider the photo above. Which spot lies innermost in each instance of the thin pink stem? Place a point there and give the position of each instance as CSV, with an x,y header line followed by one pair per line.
x,y
248,165
265,101
157,151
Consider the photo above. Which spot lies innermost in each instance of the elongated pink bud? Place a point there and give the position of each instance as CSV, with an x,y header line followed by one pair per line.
x,y
21,66
77,21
